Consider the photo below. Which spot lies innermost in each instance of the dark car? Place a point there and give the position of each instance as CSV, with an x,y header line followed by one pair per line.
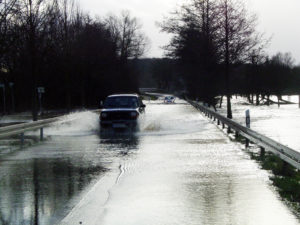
x,y
121,111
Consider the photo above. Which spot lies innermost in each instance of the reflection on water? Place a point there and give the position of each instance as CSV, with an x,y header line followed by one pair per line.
x,y
124,139
36,191
122,142
40,185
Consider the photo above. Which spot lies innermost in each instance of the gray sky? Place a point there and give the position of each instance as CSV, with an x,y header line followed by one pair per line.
x,y
277,19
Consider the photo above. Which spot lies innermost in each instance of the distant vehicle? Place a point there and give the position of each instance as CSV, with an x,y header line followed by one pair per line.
x,y
121,111
169,99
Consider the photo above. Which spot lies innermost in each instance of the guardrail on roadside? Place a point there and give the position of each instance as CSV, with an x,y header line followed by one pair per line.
x,y
20,129
287,154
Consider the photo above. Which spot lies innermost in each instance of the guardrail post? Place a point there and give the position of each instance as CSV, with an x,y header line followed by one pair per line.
x,y
229,130
22,139
218,122
42,134
223,125
262,152
236,134
247,143
285,168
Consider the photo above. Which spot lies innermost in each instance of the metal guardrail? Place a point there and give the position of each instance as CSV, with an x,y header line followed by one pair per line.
x,y
22,128
30,126
287,154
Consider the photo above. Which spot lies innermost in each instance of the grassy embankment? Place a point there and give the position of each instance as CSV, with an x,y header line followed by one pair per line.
x,y
286,178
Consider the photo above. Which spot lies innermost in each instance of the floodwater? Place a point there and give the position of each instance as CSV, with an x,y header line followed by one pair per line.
x,y
282,123
179,169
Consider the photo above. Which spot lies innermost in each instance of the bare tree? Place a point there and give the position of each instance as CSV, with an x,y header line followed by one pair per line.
x,y
67,12
52,43
31,17
284,59
194,45
200,15
207,35
6,14
127,32
237,38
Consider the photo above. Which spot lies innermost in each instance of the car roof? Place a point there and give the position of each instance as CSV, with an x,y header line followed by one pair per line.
x,y
122,95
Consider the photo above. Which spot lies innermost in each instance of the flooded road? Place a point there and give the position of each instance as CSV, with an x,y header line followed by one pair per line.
x,y
179,169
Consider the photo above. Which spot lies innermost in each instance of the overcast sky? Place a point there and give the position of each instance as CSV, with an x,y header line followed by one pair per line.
x,y
277,19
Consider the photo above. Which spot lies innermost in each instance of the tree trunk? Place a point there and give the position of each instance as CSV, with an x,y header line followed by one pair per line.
x,y
249,98
227,63
257,99
268,100
229,112
82,96
68,92
33,67
228,94
221,101
34,107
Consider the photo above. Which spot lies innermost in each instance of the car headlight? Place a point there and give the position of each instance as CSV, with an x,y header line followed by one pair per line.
x,y
103,115
134,114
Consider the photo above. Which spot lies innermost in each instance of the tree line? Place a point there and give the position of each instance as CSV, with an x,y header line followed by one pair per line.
x,y
218,51
78,59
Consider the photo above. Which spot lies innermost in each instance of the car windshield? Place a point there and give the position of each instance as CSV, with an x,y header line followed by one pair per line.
x,y
121,102
169,98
